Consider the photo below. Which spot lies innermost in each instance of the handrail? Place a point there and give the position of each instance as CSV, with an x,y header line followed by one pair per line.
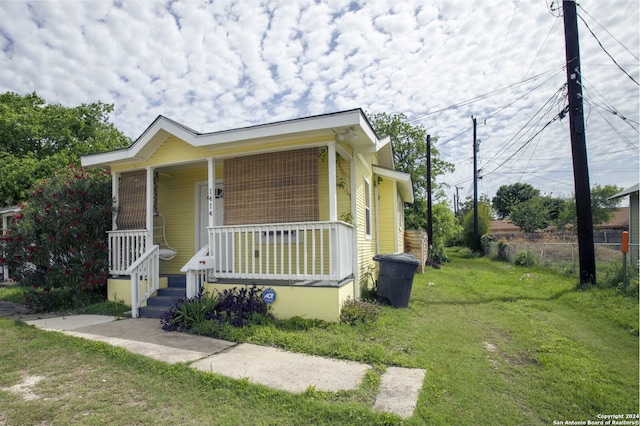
x,y
196,276
144,271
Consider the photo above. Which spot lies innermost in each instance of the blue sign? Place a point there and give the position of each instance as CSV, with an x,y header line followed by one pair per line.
x,y
269,296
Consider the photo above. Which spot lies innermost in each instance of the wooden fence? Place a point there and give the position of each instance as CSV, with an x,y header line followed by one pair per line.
x,y
417,244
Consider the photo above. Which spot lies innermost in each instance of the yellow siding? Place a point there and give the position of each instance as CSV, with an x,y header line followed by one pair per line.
x,y
343,181
119,289
366,247
324,303
249,147
177,202
387,217
176,151
172,151
399,206
250,253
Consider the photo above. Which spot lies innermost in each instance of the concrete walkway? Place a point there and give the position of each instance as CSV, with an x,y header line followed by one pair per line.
x,y
268,366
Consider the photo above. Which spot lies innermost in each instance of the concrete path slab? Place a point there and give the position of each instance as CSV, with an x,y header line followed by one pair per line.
x,y
284,370
399,390
276,368
159,352
70,322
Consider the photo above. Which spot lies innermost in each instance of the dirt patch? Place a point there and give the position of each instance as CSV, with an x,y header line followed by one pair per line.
x,y
25,387
517,361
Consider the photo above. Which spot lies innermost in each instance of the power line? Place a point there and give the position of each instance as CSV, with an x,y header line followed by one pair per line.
x,y
550,103
607,31
605,51
557,117
485,95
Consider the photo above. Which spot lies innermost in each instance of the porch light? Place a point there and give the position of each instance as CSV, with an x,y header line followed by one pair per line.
x,y
349,134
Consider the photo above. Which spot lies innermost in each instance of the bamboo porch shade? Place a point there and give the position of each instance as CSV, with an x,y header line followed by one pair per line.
x,y
275,187
132,196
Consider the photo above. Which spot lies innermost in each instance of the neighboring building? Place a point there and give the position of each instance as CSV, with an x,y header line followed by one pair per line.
x,y
611,231
301,206
503,227
634,219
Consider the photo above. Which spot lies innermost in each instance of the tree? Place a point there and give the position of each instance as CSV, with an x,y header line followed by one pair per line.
x,y
508,196
37,138
57,243
484,222
531,215
602,207
446,227
409,156
467,204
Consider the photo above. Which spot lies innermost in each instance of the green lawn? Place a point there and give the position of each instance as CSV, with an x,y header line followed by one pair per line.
x,y
502,345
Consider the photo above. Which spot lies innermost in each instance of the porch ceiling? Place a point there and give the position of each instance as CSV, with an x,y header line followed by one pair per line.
x,y
319,128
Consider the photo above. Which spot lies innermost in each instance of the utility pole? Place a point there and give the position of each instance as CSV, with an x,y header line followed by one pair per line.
x,y
429,206
457,202
584,217
476,233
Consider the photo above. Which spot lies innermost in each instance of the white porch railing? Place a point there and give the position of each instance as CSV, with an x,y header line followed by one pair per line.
x,y
145,278
287,251
125,247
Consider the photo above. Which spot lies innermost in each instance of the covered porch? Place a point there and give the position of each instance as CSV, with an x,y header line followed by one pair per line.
x,y
200,236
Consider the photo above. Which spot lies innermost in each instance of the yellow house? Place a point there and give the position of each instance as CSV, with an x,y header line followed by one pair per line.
x,y
298,206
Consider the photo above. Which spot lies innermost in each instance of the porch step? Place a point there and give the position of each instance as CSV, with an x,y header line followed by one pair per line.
x,y
157,305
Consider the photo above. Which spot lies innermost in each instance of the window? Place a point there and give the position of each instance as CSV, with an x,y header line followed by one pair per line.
x,y
367,208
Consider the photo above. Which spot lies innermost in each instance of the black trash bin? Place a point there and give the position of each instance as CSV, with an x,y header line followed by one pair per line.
x,y
395,277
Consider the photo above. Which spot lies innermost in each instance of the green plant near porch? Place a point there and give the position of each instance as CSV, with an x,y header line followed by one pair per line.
x,y
57,245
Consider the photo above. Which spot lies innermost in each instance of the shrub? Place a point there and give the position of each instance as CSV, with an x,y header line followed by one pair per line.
x,y
186,314
525,258
58,241
503,251
612,276
359,312
238,306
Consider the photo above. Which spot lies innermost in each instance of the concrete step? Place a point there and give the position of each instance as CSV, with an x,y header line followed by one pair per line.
x,y
173,292
165,301
152,311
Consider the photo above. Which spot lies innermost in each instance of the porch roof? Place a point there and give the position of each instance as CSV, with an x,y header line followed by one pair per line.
x,y
403,180
351,127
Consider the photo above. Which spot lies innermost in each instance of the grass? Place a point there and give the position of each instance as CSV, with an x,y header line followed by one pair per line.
x,y
13,293
501,345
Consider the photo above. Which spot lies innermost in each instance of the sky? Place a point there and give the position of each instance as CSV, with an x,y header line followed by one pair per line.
x,y
218,65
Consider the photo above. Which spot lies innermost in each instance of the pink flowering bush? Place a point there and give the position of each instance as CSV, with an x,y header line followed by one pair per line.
x,y
57,244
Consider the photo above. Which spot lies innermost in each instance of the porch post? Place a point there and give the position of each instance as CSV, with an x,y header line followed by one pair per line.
x,y
149,206
115,193
333,203
211,189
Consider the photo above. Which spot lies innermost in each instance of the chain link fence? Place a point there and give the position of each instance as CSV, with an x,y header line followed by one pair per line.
x,y
561,256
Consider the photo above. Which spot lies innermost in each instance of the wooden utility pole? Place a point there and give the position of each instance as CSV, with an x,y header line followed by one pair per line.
x,y
476,232
584,218
429,205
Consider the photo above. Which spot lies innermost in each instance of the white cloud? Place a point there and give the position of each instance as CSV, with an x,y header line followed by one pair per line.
x,y
223,64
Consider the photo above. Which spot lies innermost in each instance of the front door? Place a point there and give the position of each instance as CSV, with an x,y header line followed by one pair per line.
x,y
222,249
